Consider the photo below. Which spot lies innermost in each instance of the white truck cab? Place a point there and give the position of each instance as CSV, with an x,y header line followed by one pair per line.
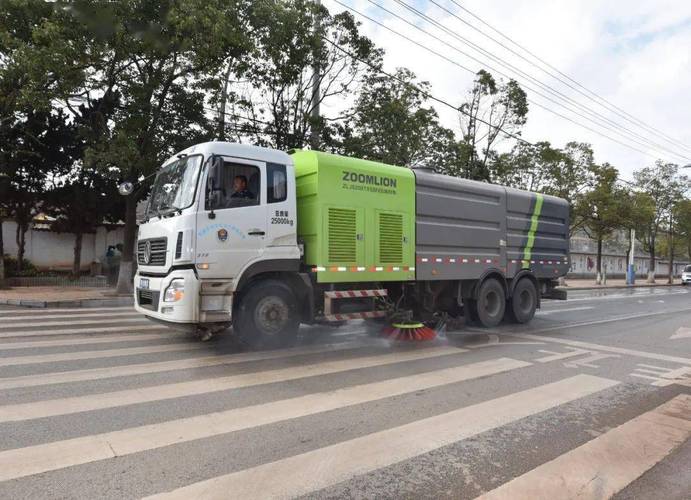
x,y
218,213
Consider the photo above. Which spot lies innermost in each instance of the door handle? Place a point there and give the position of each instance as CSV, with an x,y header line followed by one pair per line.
x,y
256,233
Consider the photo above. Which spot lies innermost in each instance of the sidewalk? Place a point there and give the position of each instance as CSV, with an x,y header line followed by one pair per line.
x,y
589,284
48,296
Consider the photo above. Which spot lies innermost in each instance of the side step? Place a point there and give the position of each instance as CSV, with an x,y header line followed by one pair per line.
x,y
330,296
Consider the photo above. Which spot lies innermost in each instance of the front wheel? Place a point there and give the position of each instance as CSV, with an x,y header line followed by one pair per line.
x,y
267,316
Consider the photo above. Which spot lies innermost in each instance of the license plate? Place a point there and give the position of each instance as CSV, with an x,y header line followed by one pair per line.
x,y
144,283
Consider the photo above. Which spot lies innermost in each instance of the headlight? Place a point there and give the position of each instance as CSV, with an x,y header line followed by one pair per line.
x,y
175,291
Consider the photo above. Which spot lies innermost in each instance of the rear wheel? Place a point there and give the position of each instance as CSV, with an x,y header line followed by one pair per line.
x,y
490,304
267,316
523,302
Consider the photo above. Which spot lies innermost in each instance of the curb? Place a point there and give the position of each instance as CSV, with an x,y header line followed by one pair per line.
x,y
57,304
617,287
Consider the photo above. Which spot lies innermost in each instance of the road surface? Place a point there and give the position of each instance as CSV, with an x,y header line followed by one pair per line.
x,y
591,400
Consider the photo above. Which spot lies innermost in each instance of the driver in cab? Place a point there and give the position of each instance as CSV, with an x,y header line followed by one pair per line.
x,y
240,188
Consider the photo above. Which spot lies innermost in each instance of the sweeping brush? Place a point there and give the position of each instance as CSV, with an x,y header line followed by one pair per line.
x,y
408,331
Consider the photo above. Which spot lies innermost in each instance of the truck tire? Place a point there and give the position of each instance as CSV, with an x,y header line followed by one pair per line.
x,y
490,304
267,316
523,303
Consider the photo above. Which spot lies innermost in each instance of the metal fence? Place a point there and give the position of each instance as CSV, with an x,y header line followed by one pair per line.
x,y
60,281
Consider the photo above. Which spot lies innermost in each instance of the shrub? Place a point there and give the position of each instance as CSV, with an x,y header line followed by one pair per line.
x,y
11,268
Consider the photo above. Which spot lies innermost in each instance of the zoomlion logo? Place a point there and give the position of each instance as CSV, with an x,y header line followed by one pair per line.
x,y
374,180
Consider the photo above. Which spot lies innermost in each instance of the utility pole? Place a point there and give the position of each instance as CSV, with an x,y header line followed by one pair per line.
x,y
221,134
316,70
631,271
670,242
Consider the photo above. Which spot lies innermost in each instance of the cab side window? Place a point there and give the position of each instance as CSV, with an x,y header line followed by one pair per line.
x,y
239,186
277,183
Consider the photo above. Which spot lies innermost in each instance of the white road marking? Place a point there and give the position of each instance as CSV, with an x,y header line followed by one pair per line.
x,y
301,474
588,362
605,348
38,311
607,464
662,377
65,406
556,356
545,312
60,454
95,321
347,333
681,333
628,296
73,316
105,353
130,337
165,366
146,326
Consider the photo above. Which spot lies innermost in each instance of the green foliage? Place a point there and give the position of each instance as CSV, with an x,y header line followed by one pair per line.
x,y
390,123
14,270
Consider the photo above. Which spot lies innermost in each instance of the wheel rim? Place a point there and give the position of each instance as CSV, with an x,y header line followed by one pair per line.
x,y
272,315
525,301
492,303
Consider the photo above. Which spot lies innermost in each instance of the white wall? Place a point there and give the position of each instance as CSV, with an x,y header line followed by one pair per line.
x,y
49,250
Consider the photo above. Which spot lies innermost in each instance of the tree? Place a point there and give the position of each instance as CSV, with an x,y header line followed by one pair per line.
x,y
272,98
154,60
664,187
602,207
83,200
492,109
683,218
390,123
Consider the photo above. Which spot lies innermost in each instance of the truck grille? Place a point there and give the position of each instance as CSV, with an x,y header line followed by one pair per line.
x,y
148,299
157,256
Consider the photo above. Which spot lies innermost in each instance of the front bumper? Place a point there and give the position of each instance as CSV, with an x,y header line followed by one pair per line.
x,y
148,300
686,279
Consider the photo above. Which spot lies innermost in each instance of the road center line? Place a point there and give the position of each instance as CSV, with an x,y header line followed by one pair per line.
x,y
57,455
607,464
66,406
323,467
95,321
70,331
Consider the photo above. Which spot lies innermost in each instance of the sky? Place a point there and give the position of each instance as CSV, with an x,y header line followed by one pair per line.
x,y
636,54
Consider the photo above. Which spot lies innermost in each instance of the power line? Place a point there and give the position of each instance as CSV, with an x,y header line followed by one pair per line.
x,y
590,94
424,92
473,72
594,114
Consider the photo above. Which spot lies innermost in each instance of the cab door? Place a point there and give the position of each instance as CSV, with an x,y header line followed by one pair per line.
x,y
231,230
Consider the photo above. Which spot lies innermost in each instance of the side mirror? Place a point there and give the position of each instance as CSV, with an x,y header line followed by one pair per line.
x,y
215,173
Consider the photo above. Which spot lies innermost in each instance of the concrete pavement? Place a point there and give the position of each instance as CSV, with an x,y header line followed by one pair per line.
x,y
590,400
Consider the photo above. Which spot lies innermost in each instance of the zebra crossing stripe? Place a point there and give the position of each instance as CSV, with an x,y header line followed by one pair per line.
x,y
73,316
105,353
152,367
57,455
94,321
55,310
130,337
66,406
145,326
302,474
607,464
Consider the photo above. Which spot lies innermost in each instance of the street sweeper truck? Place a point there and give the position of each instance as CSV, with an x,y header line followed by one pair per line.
x,y
265,240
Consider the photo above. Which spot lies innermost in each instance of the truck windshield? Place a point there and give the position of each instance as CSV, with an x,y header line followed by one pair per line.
x,y
175,186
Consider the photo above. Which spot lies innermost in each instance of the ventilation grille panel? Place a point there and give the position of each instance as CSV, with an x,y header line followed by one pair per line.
x,y
390,238
342,236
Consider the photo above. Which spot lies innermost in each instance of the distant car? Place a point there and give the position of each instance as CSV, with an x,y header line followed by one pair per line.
x,y
686,275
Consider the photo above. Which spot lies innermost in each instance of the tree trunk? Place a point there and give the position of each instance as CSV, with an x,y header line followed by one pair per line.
x,y
124,285
651,267
599,254
2,258
20,239
670,275
77,262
